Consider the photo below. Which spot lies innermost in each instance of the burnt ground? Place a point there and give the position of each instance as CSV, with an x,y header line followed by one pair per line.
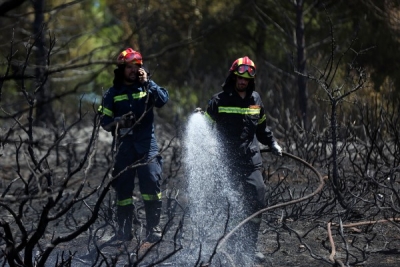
x,y
281,247
294,242
295,235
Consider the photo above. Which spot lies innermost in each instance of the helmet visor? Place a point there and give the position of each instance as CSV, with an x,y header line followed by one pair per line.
x,y
250,70
133,58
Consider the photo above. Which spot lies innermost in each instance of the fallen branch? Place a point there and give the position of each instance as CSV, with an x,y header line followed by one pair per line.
x,y
350,225
333,252
368,222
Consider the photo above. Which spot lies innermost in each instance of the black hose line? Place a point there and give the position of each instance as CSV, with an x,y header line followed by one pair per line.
x,y
319,188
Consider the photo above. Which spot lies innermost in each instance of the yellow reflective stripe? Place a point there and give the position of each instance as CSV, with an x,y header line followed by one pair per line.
x,y
240,61
125,202
151,197
139,95
243,111
262,119
120,98
125,97
105,111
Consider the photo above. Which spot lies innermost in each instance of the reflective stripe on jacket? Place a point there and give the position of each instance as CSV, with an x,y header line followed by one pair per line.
x,y
242,123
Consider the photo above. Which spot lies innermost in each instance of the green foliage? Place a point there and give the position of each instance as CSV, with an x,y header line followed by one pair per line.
x,y
183,100
190,45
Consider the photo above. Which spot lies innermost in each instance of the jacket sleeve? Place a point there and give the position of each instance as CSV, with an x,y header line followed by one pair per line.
x,y
212,110
159,94
263,133
106,110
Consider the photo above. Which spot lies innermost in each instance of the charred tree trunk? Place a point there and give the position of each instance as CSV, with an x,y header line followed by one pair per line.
x,y
301,62
44,110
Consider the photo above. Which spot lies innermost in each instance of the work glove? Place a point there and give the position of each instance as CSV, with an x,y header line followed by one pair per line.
x,y
197,110
276,149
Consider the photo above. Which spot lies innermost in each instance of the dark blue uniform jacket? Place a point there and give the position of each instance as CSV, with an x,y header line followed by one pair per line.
x,y
140,100
241,123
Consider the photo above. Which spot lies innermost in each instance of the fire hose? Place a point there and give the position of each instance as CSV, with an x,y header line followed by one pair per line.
x,y
316,191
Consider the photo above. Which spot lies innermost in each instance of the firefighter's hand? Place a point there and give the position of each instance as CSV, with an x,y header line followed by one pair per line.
x,y
142,76
276,149
121,122
198,110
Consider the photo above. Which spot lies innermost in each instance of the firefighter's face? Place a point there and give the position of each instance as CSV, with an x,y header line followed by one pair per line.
x,y
131,73
241,83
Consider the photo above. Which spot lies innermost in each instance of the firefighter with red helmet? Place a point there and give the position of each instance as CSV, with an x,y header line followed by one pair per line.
x,y
127,112
239,117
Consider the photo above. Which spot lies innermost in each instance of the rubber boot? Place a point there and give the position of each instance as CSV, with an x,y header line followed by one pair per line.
x,y
253,226
124,220
153,213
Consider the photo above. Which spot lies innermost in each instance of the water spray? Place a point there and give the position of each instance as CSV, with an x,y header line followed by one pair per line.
x,y
213,205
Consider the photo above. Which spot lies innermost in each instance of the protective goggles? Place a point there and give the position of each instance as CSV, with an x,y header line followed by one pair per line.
x,y
133,58
243,68
130,56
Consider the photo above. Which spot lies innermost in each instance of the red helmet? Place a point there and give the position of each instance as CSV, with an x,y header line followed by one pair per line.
x,y
244,67
130,56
